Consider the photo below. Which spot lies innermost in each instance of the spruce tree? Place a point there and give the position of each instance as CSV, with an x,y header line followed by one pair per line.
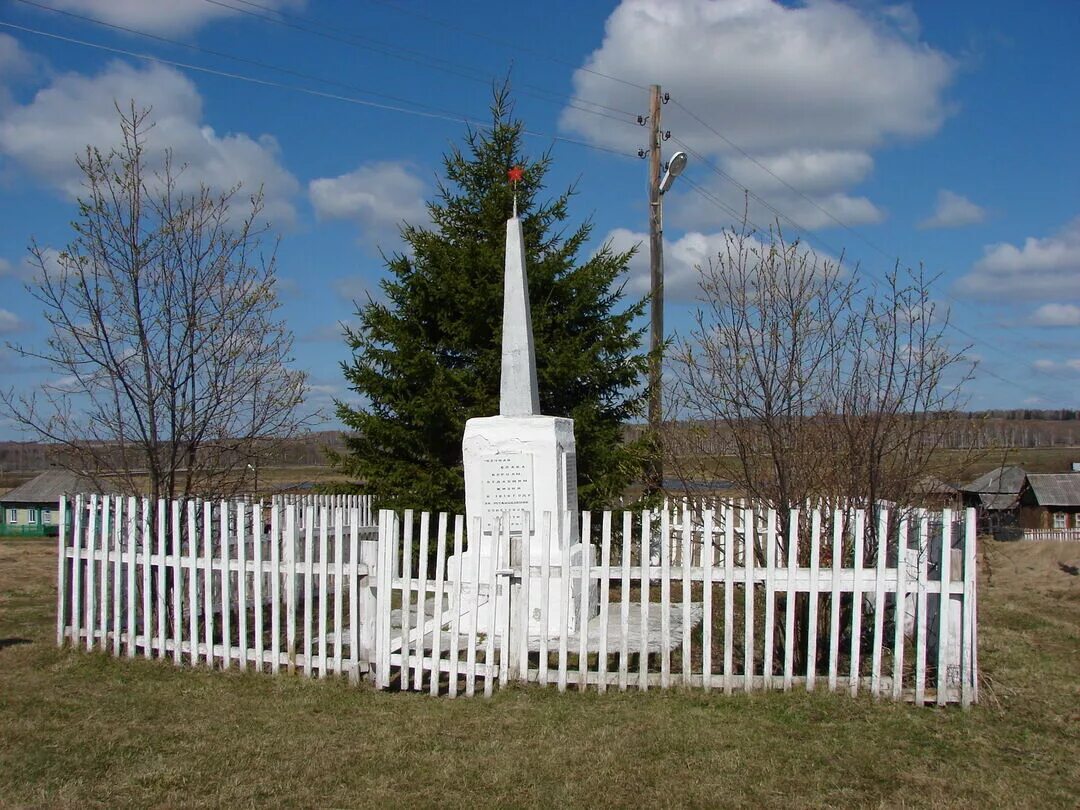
x,y
427,358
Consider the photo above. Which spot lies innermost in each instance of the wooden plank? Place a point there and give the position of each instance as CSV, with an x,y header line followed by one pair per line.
x,y
178,583
834,614
789,606
455,602
583,604
89,601
879,602
226,585
920,611
439,614
421,598
528,532
257,595
605,598
687,564
564,597
309,588
493,604
768,665
406,595
76,572
945,569
545,593
624,607
749,545
208,580
729,599
117,572
899,607
354,595
147,539
292,543
506,604
856,602
707,598
324,585
815,573
339,588
474,614
665,597
276,541
646,584
160,579
62,582
193,583
967,674
241,584
104,574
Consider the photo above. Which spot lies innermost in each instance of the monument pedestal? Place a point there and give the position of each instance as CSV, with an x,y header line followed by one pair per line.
x,y
518,466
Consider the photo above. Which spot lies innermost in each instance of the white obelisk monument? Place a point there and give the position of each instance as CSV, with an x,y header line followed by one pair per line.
x,y
520,466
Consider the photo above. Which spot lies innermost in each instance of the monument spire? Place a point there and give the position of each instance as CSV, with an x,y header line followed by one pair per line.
x,y
519,393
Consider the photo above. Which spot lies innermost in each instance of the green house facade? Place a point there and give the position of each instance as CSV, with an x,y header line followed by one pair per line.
x,y
33,509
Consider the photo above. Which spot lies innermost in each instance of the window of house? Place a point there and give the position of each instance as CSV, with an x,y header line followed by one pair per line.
x,y
46,516
31,516
12,516
1060,520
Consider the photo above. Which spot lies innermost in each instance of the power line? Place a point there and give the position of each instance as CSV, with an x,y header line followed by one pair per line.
x,y
326,31
233,57
455,117
709,197
953,301
516,46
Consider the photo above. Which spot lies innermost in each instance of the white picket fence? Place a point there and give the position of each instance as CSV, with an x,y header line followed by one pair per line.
x,y
1052,535
727,598
220,583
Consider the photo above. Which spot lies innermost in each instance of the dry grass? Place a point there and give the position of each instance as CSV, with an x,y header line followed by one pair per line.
x,y
89,730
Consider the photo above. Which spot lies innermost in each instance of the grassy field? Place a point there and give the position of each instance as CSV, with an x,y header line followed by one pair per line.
x,y
84,729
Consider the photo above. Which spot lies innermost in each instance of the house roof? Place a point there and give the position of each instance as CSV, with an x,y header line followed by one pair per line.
x,y
932,485
994,500
1000,480
48,487
1055,489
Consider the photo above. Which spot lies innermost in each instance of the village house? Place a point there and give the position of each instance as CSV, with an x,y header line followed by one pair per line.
x,y
1050,502
995,497
33,509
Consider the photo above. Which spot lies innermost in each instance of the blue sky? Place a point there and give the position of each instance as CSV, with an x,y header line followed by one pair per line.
x,y
936,132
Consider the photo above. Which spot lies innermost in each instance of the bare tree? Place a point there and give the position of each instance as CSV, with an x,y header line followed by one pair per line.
x,y
827,386
171,363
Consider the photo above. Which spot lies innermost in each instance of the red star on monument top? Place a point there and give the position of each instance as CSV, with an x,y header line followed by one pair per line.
x,y
515,174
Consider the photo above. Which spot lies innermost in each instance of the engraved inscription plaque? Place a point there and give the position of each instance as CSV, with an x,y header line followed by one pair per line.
x,y
507,486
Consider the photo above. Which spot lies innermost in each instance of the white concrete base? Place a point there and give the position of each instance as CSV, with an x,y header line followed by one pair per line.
x,y
542,613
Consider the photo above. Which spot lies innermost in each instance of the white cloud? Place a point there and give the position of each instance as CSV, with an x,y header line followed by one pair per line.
x,y
353,288
162,16
1046,268
45,135
692,210
953,210
1056,315
10,322
6,268
683,260
379,197
809,90
1057,367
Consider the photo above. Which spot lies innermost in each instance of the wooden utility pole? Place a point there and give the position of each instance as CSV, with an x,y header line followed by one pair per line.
x,y
655,474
